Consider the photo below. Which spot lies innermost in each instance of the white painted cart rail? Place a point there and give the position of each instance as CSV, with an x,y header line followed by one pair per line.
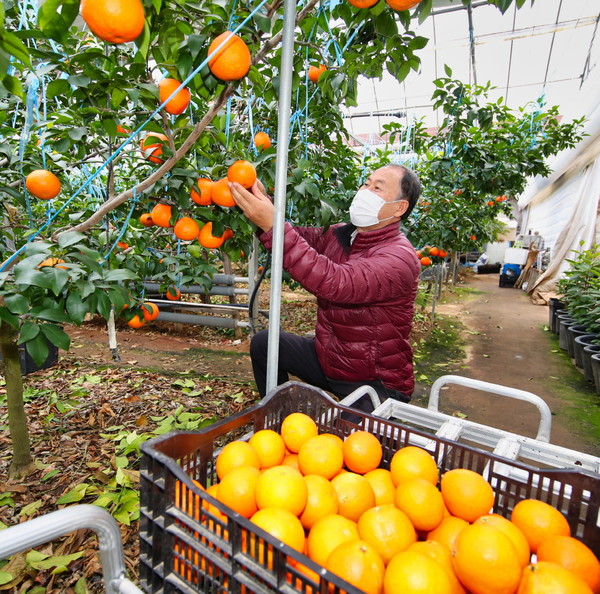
x,y
55,524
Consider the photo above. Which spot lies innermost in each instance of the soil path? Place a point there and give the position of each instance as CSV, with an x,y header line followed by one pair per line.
x,y
507,342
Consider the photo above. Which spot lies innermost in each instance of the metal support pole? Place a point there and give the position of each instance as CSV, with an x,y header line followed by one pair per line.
x,y
53,525
283,131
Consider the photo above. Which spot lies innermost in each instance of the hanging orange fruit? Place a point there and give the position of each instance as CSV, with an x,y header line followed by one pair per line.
x,y
115,21
178,104
233,60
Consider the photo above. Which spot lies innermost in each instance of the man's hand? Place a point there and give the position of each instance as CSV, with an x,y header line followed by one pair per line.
x,y
255,204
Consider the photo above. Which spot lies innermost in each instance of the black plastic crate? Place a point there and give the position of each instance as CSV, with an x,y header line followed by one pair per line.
x,y
186,548
507,280
28,365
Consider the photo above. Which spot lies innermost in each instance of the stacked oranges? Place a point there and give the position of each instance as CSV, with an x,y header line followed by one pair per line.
x,y
401,530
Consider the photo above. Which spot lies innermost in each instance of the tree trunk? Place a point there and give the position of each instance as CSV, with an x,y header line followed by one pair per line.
x,y
22,462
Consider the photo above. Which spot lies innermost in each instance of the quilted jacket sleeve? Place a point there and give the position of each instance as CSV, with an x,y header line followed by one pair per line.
x,y
384,275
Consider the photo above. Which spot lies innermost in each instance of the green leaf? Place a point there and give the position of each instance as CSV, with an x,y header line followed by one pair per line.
x,y
13,85
55,17
5,578
76,494
59,563
29,330
17,304
70,238
51,315
38,349
13,46
57,336
76,308
9,318
57,88
120,274
31,508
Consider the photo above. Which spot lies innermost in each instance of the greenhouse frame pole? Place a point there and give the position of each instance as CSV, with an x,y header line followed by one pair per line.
x,y
283,131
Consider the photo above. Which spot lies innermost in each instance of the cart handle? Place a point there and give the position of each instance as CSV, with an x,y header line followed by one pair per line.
x,y
545,425
55,524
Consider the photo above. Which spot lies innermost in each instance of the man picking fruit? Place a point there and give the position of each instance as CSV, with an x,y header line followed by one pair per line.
x,y
364,275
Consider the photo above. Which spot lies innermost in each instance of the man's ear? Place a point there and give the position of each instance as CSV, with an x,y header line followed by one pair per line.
x,y
401,208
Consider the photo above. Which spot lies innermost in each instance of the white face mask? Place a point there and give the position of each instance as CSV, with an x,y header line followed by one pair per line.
x,y
365,208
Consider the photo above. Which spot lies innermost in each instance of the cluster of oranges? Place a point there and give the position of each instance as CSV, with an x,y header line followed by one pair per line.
x,y
207,192
498,200
150,311
401,530
425,254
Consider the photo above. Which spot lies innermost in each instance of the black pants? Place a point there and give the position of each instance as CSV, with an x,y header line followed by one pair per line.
x,y
298,357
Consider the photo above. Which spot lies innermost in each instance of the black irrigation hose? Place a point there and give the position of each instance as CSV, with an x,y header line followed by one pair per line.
x,y
255,290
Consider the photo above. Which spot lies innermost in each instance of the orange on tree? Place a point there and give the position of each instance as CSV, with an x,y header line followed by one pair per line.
x,y
297,428
150,311
283,487
321,500
433,251
123,245
203,198
43,184
146,220
114,21
234,454
354,493
573,555
153,150
466,494
363,3
442,253
178,104
446,533
512,531
262,141
269,446
402,4
538,521
320,455
387,529
425,261
410,572
380,480
136,321
327,534
52,263
232,61
121,130
490,203
545,577
173,294
358,563
221,194
242,172
237,489
314,72
207,239
421,502
485,560
362,452
186,229
413,462
161,215
473,237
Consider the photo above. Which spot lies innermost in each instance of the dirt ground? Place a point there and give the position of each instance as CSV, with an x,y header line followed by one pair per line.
x,y
506,342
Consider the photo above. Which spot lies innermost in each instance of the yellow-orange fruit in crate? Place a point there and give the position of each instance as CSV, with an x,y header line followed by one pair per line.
x,y
238,490
234,454
410,572
380,480
512,531
282,487
467,494
447,531
320,455
358,563
269,446
296,429
413,462
362,452
485,561
573,555
546,577
387,529
328,533
321,500
442,555
421,502
354,493
538,521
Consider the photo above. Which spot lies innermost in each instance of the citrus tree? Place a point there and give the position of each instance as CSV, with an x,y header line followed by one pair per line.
x,y
82,98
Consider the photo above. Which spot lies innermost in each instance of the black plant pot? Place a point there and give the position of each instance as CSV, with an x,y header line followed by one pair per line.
x,y
588,351
564,321
28,365
573,331
580,343
554,306
596,371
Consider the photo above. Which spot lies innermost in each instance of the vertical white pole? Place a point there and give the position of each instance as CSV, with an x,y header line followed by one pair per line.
x,y
283,130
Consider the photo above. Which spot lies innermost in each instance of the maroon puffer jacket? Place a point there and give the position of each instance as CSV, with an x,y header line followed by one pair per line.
x,y
366,292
